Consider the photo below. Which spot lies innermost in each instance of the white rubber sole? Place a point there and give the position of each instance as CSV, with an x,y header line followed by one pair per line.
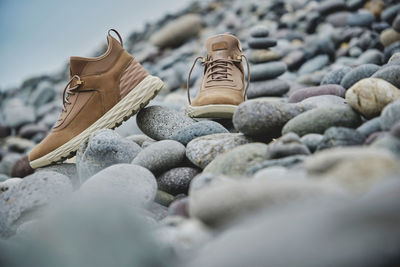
x,y
211,111
135,100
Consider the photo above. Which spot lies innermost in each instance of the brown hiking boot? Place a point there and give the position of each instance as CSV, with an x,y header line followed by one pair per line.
x,y
222,88
102,93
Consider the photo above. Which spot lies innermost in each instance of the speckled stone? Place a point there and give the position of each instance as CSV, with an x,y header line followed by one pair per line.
x,y
320,119
161,122
187,134
335,76
358,73
177,180
340,136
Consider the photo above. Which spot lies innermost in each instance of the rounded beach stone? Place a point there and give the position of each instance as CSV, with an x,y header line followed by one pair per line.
x,y
320,119
275,87
187,134
361,19
390,73
369,96
390,115
314,64
261,42
259,31
328,89
389,36
371,126
335,76
340,136
266,71
161,122
358,73
177,180
161,156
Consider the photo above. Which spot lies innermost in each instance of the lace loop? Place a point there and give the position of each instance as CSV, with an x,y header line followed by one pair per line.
x,y
70,90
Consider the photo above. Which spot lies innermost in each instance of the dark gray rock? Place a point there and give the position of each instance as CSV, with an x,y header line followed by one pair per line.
x,y
340,136
177,180
104,148
266,71
327,7
371,56
264,118
396,23
187,134
202,150
390,115
390,13
161,156
261,42
323,101
179,207
361,19
390,74
275,87
283,162
161,122
328,89
314,64
128,183
320,119
358,73
4,131
259,31
371,126
28,195
335,76
287,145
294,59
311,141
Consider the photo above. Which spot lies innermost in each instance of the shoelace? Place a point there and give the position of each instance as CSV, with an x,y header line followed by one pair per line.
x,y
68,91
219,71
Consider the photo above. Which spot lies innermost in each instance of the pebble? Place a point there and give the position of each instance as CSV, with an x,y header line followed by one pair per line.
x,y
320,119
259,31
396,23
201,128
102,149
18,144
369,96
28,195
202,150
390,74
179,207
390,13
266,71
328,89
389,36
369,127
163,198
294,59
177,31
140,139
7,163
312,141
323,101
236,161
288,162
4,131
287,145
264,118
274,87
357,74
356,169
21,168
160,122
361,19
340,136
261,42
161,156
131,184
314,64
263,55
371,56
16,113
176,181
327,7
335,76
390,115
391,50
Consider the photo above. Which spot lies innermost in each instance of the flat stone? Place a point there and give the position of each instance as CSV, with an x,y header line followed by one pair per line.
x,y
314,64
264,118
263,55
16,113
390,13
369,96
177,180
32,192
371,56
202,128
287,145
389,36
329,89
259,31
357,74
201,151
288,161
312,140
161,156
371,126
361,19
128,183
340,136
236,161
390,74
102,149
320,101
67,169
21,168
294,59
390,115
320,119
266,71
396,23
8,161
161,122
327,7
275,87
335,76
30,130
261,42
177,31
388,142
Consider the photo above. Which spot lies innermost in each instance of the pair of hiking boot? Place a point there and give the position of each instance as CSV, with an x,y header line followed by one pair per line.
x,y
105,91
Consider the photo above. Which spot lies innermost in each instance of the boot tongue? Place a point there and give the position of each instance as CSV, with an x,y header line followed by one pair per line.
x,y
223,46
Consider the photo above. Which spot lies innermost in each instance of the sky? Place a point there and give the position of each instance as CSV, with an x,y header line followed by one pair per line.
x,y
39,36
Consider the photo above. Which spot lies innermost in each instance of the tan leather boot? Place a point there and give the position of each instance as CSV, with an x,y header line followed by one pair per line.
x,y
102,93
223,86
